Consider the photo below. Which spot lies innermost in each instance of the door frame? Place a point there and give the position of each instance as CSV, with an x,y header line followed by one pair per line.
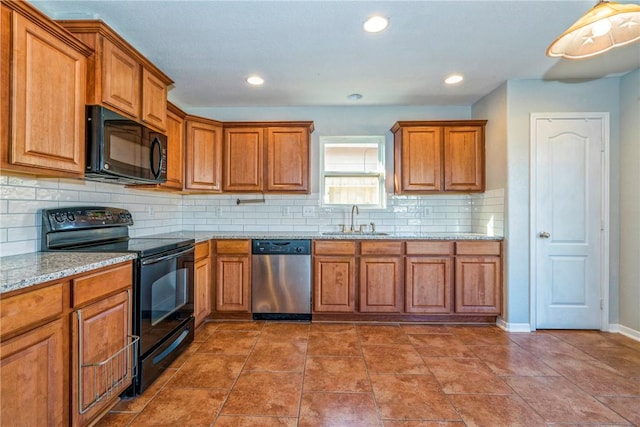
x,y
605,208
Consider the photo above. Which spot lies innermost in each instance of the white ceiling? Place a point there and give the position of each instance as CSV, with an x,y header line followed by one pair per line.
x,y
315,53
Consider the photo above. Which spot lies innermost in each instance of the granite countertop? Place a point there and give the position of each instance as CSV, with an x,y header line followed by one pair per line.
x,y
203,236
21,271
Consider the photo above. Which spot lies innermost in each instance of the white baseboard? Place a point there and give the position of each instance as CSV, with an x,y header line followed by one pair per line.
x,y
624,330
513,327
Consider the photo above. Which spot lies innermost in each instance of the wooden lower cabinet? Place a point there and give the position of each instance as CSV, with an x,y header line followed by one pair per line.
x,y
478,277
233,276
101,367
334,284
413,279
33,378
381,284
61,358
334,276
478,285
202,283
428,285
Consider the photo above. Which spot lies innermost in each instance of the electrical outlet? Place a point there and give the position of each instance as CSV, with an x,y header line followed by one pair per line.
x,y
427,211
217,211
286,211
309,211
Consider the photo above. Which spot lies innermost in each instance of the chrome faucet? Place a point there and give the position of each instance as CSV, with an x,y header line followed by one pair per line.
x,y
354,208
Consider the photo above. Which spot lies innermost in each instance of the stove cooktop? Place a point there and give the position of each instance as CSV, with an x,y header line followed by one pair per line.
x,y
143,246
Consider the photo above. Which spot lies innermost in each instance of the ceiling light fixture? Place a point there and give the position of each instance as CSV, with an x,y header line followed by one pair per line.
x,y
605,26
355,97
255,80
375,24
453,79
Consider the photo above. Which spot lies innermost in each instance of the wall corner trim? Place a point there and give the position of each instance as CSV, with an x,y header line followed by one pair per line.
x,y
513,327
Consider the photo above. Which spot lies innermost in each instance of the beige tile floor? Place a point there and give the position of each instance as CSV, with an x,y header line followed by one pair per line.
x,y
324,374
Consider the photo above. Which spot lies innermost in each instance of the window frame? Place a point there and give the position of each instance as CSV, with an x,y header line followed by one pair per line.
x,y
380,141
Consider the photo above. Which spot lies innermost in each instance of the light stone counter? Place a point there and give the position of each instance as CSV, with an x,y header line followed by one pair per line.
x,y
21,271
202,236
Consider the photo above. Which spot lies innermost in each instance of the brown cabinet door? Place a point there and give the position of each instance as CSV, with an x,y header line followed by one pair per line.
x,y
381,284
464,158
287,160
48,92
154,101
334,284
418,166
175,150
204,155
120,79
478,284
100,331
233,283
428,285
243,159
202,300
33,378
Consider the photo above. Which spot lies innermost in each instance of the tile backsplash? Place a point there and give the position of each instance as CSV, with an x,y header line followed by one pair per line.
x,y
22,198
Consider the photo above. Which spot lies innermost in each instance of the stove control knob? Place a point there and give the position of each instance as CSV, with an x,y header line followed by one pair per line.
x,y
58,217
299,249
71,217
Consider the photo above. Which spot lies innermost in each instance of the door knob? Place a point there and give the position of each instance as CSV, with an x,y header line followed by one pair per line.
x,y
544,235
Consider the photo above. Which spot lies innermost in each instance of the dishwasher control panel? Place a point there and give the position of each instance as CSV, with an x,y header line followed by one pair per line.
x,y
281,246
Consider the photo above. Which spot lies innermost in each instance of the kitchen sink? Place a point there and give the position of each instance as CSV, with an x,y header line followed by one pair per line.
x,y
354,233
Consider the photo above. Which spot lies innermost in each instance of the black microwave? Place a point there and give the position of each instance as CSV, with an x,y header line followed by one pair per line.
x,y
121,150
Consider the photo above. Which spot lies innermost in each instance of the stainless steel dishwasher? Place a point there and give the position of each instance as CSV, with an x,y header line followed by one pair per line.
x,y
281,279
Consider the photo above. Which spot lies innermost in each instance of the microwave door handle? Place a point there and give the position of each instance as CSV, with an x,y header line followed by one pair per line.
x,y
166,257
156,171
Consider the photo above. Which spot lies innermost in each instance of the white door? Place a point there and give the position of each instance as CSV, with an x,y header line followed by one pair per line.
x,y
569,215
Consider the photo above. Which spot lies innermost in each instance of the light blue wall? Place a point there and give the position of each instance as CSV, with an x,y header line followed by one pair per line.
x,y
493,108
536,96
630,201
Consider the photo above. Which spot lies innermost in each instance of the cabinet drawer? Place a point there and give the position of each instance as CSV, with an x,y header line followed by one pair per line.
x,y
101,283
328,247
233,246
377,248
30,308
429,248
202,250
478,248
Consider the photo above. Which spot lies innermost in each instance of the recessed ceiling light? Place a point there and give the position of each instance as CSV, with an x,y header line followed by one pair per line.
x,y
375,24
453,79
354,97
255,80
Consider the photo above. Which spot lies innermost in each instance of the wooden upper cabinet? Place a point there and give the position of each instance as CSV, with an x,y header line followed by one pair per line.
x,y
268,157
154,100
417,159
42,110
120,77
203,146
463,158
287,159
243,159
437,156
175,148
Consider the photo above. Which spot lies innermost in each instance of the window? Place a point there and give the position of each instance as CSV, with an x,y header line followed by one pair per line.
x,y
352,170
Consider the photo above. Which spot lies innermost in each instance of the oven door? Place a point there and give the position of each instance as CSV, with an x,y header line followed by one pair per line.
x,y
165,297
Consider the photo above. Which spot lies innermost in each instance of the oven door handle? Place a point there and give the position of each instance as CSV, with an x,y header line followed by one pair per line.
x,y
166,257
